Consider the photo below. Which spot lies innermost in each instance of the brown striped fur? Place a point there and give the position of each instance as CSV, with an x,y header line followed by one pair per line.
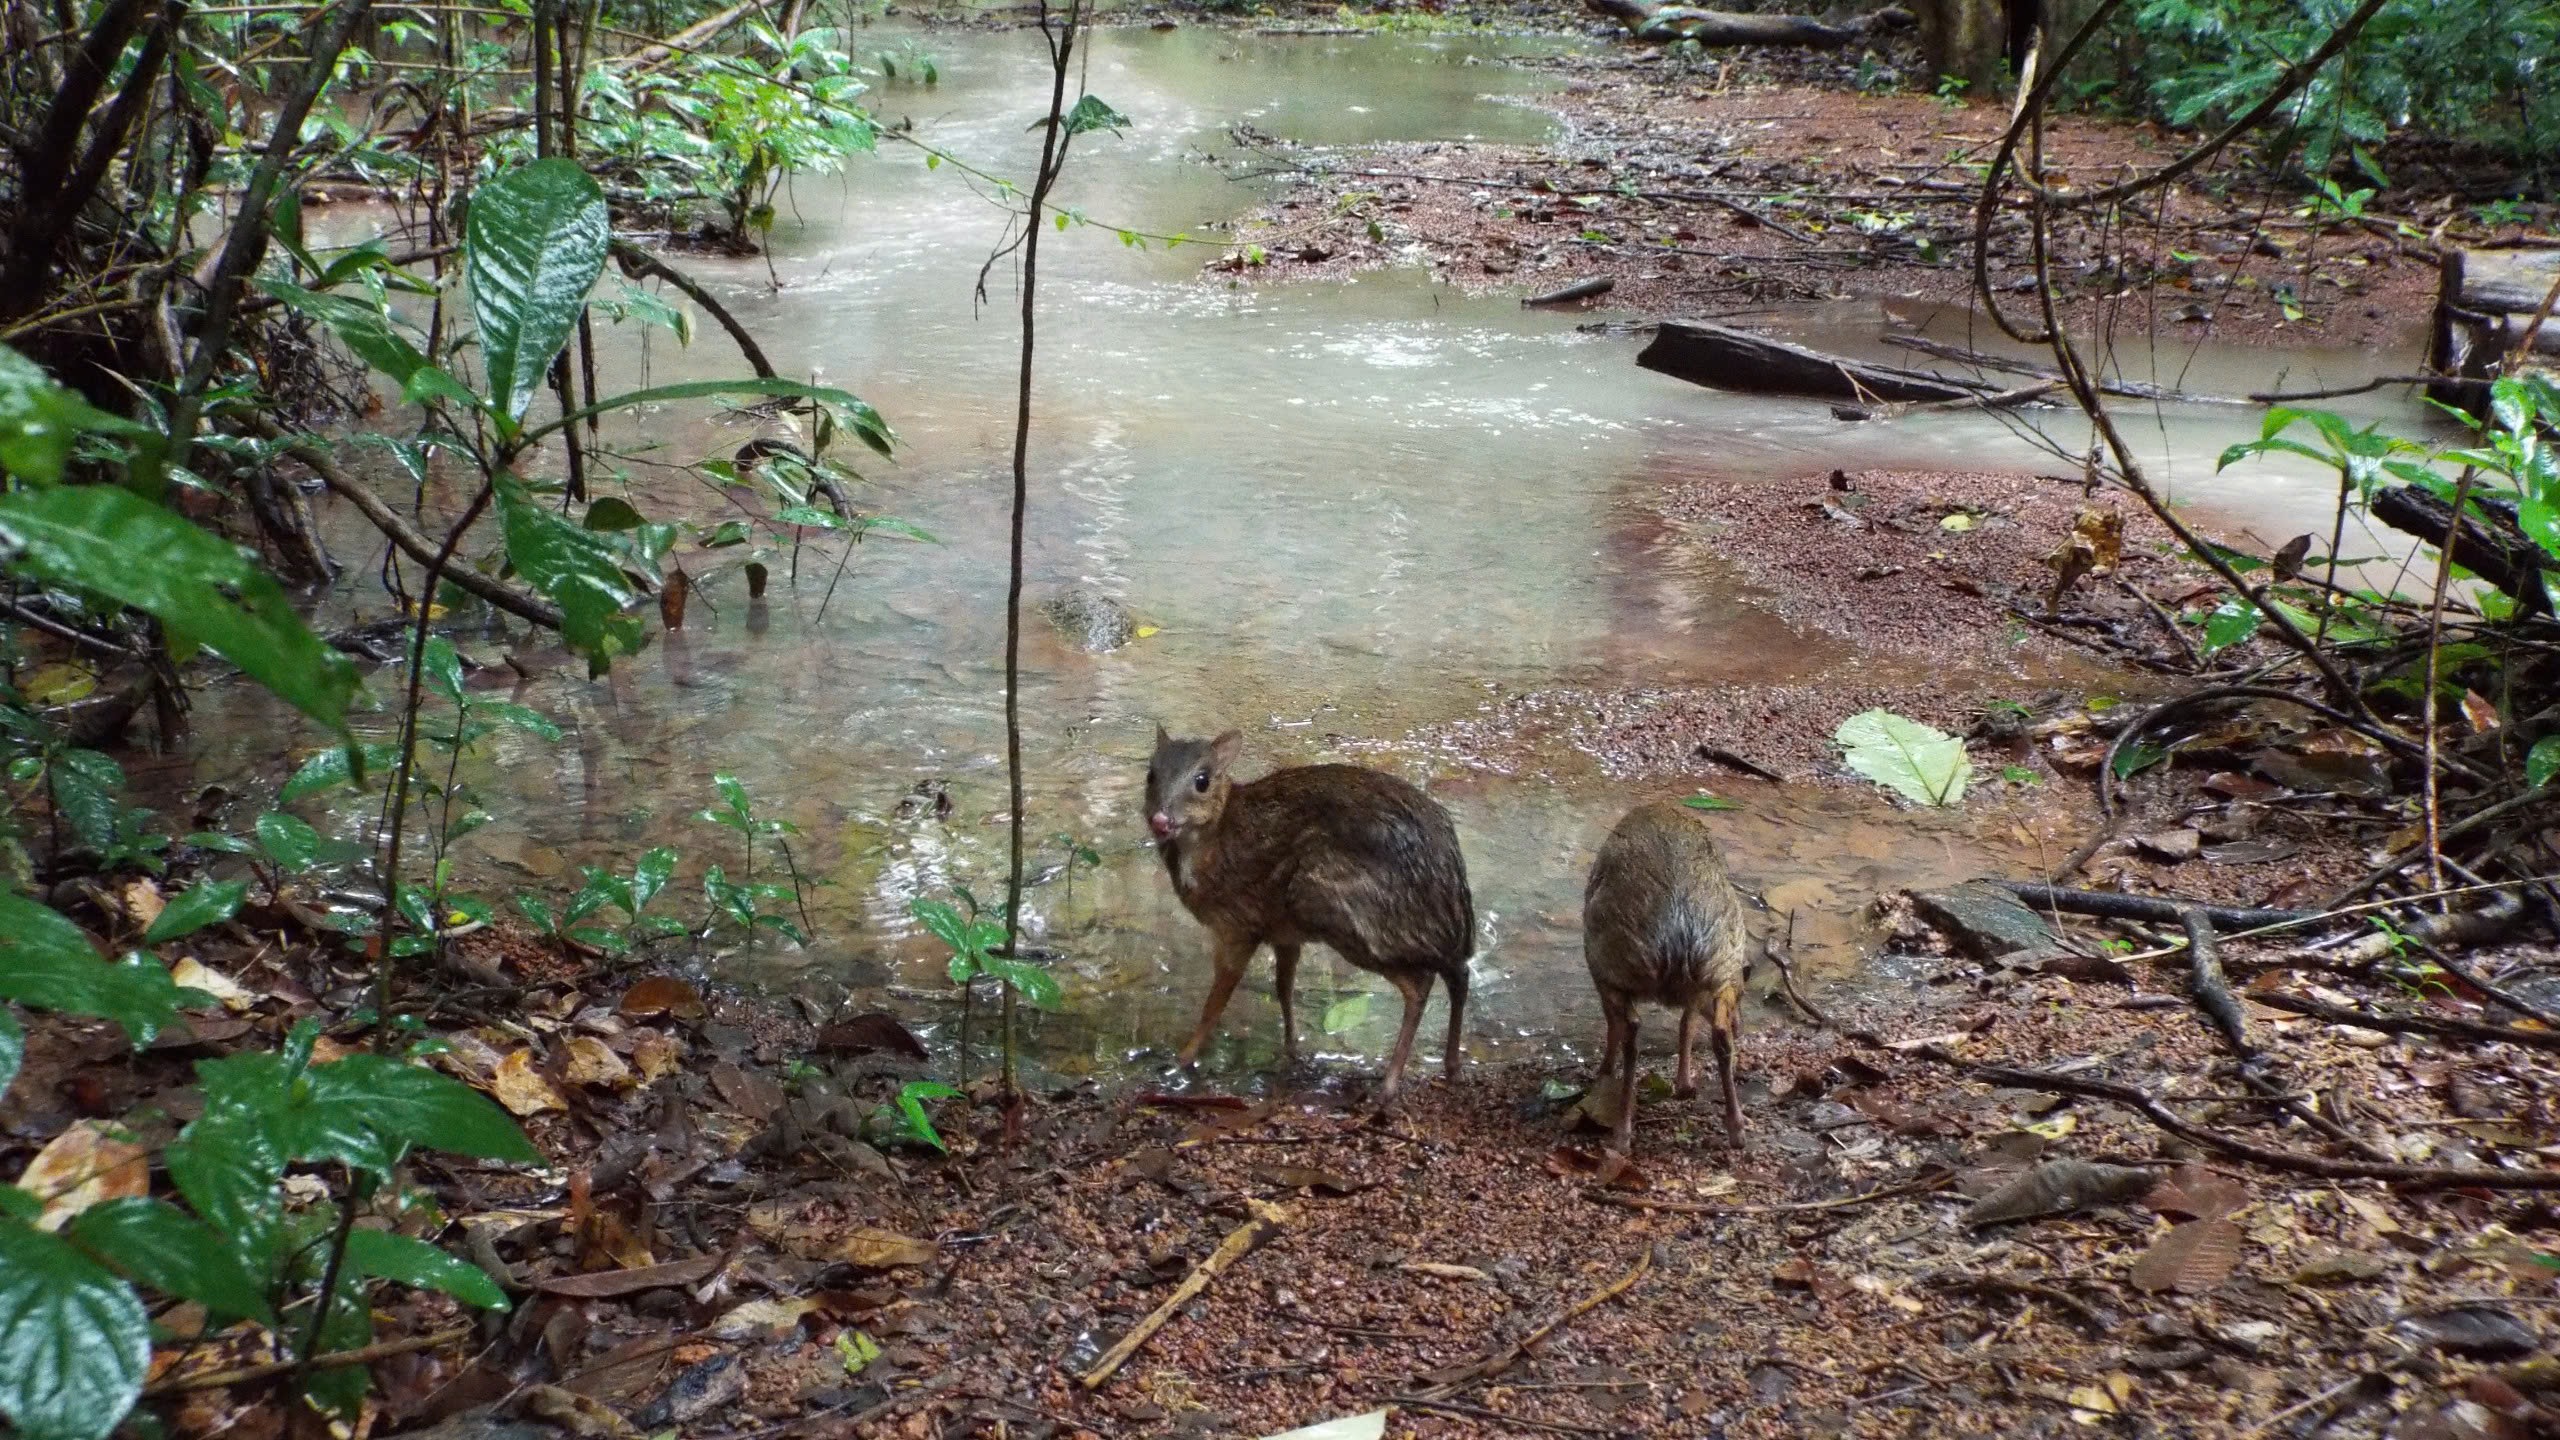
x,y
1661,923
1350,858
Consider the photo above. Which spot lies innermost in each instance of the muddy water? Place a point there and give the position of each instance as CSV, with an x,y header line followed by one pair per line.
x,y
1349,511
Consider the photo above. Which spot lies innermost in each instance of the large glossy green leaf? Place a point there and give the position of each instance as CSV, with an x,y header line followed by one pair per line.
x,y
153,1243
386,1256
200,905
362,328
2231,622
47,963
2542,761
73,1339
577,569
1033,984
533,248
410,1105
39,420
1092,112
204,589
334,767
84,785
867,424
228,1167
1913,760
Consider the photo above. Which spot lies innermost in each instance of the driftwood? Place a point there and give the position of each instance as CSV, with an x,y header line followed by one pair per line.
x,y
1664,23
1579,290
2489,543
2486,300
1722,358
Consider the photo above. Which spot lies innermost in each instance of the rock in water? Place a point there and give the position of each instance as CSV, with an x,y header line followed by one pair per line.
x,y
1091,621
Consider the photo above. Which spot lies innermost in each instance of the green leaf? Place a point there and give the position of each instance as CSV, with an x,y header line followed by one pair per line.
x,y
362,328
533,908
84,783
203,904
1091,113
441,665
522,717
651,875
421,1266
228,1167
39,420
293,845
610,513
332,768
867,424
13,1049
152,1243
45,962
1037,987
2231,622
1704,801
1921,764
2542,761
345,1324
402,1105
2137,757
204,590
73,1339
576,569
910,1104
1345,1014
533,247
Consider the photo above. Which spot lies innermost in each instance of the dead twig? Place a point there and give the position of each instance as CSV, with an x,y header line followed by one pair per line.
x,y
2211,992
268,1370
1240,1242
2062,1300
1936,1180
2444,1026
1450,1382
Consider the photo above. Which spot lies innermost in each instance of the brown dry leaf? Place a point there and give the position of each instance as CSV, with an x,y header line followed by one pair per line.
x,y
88,1164
591,1062
2482,715
671,599
1445,1272
864,1034
883,1250
2372,1214
748,1093
762,1319
469,1058
186,971
606,1284
499,1224
1609,1169
580,1415
657,1054
2109,1397
608,1235
2057,1186
2196,1193
521,1088
2191,1259
662,995
142,902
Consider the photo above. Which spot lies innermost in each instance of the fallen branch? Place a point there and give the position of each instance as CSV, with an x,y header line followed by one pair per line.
x,y
1579,290
1724,28
2109,905
1450,1382
1723,358
2129,389
2212,994
2442,1026
1240,1242
689,38
1935,1180
268,1370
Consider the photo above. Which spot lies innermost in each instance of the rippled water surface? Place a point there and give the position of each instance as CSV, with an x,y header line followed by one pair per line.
x,y
1350,510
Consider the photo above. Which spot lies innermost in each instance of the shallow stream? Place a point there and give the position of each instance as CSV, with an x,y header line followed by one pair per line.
x,y
1350,510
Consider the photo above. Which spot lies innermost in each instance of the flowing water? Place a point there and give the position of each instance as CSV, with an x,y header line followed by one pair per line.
x,y
1349,510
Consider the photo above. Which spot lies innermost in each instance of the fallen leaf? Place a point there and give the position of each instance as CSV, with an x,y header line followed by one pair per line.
x,y
883,1250
865,1034
662,995
87,1164
499,1224
2057,1186
2482,715
521,1088
1445,1272
2196,1193
657,1054
768,1319
580,1415
2336,1266
1574,1162
59,683
1301,1177
194,976
750,1094
2483,1332
2191,1258
605,1284
592,1062
1959,522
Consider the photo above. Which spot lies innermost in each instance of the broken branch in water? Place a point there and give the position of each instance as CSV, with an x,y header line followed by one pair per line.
x,y
1267,1221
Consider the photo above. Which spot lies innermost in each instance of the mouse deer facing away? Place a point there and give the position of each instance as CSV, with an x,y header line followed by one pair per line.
x,y
1661,922
1351,858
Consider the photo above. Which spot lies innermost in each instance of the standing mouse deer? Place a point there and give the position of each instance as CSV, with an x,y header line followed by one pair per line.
x,y
1661,923
1348,857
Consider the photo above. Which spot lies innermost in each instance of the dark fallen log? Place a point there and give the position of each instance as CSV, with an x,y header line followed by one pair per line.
x,y
2489,542
1722,358
2109,905
2485,302
1666,23
1579,290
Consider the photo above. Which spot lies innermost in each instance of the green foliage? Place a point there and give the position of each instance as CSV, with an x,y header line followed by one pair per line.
x,y
534,247
1346,1014
40,421
2542,761
46,963
73,1338
904,1118
975,944
1704,801
205,903
1918,762
580,571
744,902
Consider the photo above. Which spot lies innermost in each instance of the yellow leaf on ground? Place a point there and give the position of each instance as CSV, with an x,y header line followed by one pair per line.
x,y
59,684
142,902
762,1319
883,1250
591,1062
521,1088
657,1054
233,995
85,1165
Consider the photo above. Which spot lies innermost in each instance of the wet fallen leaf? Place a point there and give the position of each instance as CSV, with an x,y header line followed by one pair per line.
x,y
866,1034
2482,715
1959,522
521,1088
662,995
1445,1272
1302,1177
750,1094
2337,1266
605,1284
186,971
656,1054
2057,1186
592,1062
762,1319
2191,1258
582,1416
883,1250
88,1164
1372,1426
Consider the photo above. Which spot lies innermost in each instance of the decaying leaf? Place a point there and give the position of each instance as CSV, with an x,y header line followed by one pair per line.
x,y
762,1319
2108,1397
592,1062
1611,1170
186,971
883,1250
2337,1266
2482,1332
662,995
656,1054
2191,1258
605,1284
142,902
521,1088
2057,1186
87,1164
866,1034
1922,764
2482,715
2094,547
2195,1193
582,1416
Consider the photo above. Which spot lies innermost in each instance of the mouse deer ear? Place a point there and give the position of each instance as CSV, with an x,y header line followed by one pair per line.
x,y
1162,739
1224,749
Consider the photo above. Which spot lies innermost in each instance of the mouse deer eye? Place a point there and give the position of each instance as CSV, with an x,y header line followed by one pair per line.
x,y
1200,782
